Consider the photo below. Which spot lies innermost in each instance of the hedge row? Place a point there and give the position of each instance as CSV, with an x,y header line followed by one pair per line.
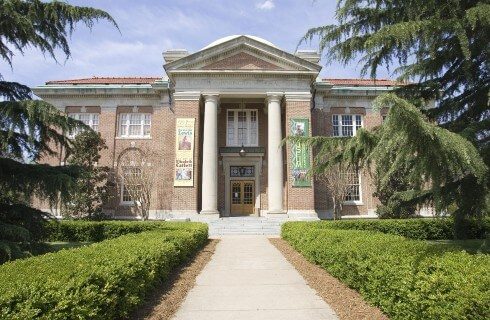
x,y
106,280
95,231
407,279
422,229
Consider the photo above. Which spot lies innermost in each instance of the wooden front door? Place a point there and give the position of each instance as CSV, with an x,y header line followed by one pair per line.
x,y
242,197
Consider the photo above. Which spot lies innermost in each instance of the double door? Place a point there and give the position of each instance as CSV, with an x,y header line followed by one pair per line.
x,y
242,197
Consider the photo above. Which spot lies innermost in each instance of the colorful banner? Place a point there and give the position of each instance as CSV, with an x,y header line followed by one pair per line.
x,y
300,154
184,152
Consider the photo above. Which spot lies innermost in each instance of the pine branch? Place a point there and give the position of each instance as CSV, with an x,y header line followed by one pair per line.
x,y
40,180
42,25
34,127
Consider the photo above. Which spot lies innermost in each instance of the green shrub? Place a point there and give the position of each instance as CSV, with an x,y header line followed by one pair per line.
x,y
94,231
407,279
422,229
105,280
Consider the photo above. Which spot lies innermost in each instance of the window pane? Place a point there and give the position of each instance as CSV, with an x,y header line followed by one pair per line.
x,y
347,129
147,118
253,128
135,118
358,122
134,130
242,128
231,128
353,186
147,130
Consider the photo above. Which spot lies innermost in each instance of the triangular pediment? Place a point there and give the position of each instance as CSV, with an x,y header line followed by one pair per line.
x,y
242,54
242,61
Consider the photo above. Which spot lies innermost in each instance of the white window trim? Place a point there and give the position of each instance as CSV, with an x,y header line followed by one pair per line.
x,y
235,120
92,116
354,129
356,202
127,124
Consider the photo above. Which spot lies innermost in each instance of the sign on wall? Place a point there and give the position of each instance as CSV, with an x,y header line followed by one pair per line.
x,y
184,152
300,154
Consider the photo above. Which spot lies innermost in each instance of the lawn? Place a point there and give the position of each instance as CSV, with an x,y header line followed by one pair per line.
x,y
470,246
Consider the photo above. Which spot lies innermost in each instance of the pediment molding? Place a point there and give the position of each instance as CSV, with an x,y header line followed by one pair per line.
x,y
282,60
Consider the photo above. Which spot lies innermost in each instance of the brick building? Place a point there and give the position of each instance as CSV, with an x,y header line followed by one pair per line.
x,y
216,120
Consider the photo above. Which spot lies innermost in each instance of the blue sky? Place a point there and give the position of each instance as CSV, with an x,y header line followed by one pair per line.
x,y
149,27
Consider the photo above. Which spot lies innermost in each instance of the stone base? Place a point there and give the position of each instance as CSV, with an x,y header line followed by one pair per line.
x,y
209,214
303,215
276,214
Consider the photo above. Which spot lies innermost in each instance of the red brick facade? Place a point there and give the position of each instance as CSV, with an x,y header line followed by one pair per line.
x,y
243,72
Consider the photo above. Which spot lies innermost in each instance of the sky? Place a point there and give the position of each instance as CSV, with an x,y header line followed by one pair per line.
x,y
150,27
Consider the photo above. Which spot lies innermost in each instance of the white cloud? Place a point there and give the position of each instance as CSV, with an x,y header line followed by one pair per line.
x,y
266,5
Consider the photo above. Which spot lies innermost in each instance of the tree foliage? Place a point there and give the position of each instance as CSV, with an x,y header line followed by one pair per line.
x,y
442,46
30,129
440,167
137,170
91,187
440,50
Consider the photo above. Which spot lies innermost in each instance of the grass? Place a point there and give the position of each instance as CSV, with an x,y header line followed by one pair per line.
x,y
470,246
46,247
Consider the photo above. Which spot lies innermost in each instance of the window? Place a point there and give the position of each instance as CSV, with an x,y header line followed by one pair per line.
x,y
134,124
130,178
90,119
242,128
346,125
353,192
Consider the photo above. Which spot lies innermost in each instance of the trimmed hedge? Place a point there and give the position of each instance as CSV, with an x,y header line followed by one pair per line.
x,y
422,229
106,280
407,279
95,231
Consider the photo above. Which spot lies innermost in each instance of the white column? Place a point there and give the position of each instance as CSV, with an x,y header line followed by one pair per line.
x,y
274,154
210,156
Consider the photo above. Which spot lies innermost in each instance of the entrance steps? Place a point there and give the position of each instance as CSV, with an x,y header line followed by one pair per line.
x,y
246,226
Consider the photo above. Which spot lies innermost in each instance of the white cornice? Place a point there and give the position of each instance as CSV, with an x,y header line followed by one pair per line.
x,y
187,95
298,96
240,72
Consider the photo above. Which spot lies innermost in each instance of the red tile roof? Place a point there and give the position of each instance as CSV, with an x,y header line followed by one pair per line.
x,y
108,80
364,82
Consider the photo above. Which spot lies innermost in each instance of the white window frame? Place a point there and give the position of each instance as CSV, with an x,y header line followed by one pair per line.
x,y
249,125
127,124
122,201
354,125
93,121
356,202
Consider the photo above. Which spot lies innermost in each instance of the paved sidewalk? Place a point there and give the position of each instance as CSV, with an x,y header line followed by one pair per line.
x,y
248,278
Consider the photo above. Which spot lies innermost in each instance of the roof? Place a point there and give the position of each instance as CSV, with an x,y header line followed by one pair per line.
x,y
108,80
227,38
364,82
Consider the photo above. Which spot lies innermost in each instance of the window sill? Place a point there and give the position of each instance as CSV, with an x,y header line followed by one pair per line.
x,y
353,203
126,203
133,138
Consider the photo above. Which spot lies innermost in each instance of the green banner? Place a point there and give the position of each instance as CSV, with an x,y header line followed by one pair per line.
x,y
300,154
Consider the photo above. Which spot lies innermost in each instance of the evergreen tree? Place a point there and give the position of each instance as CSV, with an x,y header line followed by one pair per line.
x,y
442,50
30,129
90,191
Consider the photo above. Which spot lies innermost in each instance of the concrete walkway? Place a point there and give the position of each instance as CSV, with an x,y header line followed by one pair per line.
x,y
248,278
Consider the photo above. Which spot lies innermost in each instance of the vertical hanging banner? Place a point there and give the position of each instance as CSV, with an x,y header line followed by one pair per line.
x,y
184,152
300,154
